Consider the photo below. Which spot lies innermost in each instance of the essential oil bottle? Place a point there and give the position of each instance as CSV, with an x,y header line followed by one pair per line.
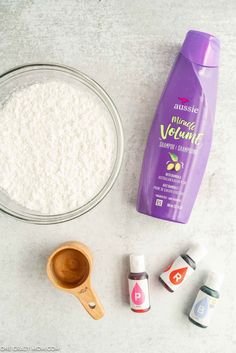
x,y
206,300
138,285
182,268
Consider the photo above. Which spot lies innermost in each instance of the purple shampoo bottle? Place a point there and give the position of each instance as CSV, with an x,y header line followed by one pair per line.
x,y
180,137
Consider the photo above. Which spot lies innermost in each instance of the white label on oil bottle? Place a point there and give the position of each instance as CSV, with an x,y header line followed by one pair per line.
x,y
202,308
139,294
175,275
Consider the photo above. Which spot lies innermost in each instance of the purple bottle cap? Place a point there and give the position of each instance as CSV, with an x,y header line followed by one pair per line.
x,y
201,48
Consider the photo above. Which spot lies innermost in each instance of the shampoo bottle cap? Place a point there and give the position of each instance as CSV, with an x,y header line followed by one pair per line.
x,y
201,48
197,252
214,281
137,263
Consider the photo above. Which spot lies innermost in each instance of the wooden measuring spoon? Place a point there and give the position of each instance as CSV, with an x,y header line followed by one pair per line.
x,y
69,268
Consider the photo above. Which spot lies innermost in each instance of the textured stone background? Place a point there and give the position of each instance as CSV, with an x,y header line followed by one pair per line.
x,y
128,47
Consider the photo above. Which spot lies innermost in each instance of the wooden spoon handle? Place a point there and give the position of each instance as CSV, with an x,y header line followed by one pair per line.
x,y
90,301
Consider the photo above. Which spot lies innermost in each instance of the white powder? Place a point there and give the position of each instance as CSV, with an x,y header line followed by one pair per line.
x,y
56,147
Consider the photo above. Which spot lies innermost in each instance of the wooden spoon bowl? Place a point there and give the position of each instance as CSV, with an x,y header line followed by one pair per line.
x,y
69,269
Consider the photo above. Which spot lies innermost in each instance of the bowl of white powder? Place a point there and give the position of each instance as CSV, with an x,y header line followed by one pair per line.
x,y
61,143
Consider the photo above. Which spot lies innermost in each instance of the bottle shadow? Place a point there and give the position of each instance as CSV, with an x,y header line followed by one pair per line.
x,y
124,279
147,101
190,300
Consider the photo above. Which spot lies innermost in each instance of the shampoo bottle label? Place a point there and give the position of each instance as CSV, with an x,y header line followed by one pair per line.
x,y
177,273
202,308
139,294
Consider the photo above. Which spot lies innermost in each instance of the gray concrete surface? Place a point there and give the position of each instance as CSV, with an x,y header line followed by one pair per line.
x,y
128,47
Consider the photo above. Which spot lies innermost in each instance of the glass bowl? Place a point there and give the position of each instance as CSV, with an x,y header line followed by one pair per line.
x,y
35,73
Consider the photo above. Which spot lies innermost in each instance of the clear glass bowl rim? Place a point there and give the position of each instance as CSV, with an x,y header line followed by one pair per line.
x,y
33,217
